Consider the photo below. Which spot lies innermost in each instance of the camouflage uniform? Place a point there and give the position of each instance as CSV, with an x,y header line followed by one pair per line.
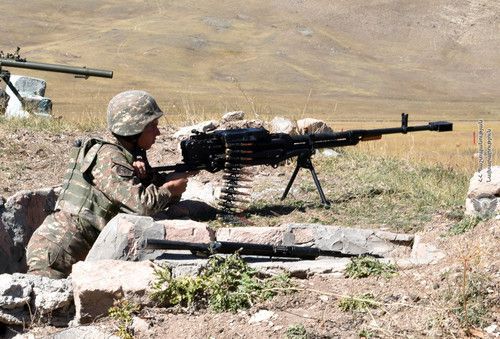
x,y
100,183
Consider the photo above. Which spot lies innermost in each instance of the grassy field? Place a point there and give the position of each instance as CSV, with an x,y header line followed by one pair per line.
x,y
331,60
353,65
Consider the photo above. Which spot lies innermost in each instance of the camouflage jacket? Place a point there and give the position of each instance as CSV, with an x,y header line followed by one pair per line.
x,y
100,182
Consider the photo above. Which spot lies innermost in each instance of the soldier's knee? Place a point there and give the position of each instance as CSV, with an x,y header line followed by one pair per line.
x,y
43,258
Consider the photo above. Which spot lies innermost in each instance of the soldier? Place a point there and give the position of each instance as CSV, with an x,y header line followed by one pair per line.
x,y
104,179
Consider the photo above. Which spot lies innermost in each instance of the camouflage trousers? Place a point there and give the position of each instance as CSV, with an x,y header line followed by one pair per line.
x,y
64,239
57,244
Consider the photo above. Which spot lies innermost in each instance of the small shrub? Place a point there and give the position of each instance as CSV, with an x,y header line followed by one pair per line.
x,y
297,331
360,303
464,225
472,302
364,333
122,312
362,267
226,284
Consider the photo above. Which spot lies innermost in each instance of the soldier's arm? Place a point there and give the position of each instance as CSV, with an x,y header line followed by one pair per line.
x,y
114,176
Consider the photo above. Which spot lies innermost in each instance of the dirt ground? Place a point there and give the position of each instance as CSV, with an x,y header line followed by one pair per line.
x,y
418,302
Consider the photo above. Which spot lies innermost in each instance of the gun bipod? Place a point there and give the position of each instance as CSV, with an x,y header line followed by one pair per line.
x,y
304,161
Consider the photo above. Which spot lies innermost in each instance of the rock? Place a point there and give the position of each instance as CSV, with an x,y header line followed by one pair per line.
x,y
32,90
7,264
27,86
329,153
25,297
491,329
483,196
283,125
187,131
84,332
4,100
423,254
23,213
139,326
14,317
197,190
310,125
260,316
187,230
305,31
218,23
97,284
51,294
233,116
485,183
14,293
352,241
123,236
238,124
257,235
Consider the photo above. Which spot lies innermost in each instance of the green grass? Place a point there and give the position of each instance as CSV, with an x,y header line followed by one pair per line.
x,y
122,312
367,190
465,224
471,298
358,303
52,125
296,331
363,267
226,284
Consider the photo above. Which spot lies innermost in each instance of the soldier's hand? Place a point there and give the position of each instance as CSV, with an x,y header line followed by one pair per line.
x,y
176,186
140,168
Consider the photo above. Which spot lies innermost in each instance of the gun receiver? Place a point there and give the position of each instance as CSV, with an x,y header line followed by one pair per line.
x,y
231,150
226,247
15,60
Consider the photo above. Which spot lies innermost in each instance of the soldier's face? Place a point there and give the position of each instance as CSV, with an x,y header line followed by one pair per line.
x,y
148,136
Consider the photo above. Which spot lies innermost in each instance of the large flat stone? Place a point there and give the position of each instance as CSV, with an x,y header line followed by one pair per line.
x,y
21,215
256,235
123,236
98,284
350,241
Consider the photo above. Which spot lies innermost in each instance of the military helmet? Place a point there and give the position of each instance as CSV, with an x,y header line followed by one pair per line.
x,y
129,112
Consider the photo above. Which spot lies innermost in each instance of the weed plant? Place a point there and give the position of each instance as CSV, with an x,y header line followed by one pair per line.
x,y
122,312
362,267
465,224
296,331
226,284
358,303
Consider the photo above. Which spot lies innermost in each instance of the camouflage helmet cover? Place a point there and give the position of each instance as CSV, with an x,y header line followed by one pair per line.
x,y
129,112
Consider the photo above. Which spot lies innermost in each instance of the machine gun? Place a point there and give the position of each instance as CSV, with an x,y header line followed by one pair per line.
x,y
227,247
15,60
231,150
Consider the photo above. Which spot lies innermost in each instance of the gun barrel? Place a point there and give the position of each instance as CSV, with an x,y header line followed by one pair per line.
x,y
227,247
82,71
352,137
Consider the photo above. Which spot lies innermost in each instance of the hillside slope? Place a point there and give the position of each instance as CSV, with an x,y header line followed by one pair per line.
x,y
342,59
